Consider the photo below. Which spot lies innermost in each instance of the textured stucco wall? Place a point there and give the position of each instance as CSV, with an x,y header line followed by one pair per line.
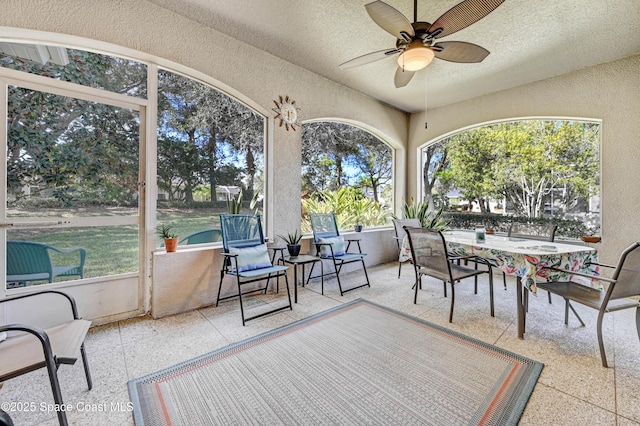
x,y
609,92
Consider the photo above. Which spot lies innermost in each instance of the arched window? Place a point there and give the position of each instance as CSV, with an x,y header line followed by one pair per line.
x,y
210,157
348,171
76,159
529,170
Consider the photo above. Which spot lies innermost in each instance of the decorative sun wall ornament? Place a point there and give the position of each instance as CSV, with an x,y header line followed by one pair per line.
x,y
287,112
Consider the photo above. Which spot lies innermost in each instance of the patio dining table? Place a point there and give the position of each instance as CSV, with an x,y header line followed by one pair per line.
x,y
528,260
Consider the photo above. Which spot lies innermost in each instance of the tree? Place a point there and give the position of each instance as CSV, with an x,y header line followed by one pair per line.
x,y
470,160
374,160
75,147
434,164
336,155
524,162
327,143
221,130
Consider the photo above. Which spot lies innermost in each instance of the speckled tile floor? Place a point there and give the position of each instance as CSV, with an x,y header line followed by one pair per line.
x,y
574,388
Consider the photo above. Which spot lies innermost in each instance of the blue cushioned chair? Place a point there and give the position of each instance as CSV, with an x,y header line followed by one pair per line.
x,y
330,245
246,258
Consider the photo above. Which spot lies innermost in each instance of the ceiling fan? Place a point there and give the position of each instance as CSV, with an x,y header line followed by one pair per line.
x,y
416,41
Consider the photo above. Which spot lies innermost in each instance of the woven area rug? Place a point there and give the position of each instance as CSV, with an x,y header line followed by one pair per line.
x,y
359,363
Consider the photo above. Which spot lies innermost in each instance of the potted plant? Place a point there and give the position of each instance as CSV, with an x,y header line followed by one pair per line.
x,y
293,242
170,239
590,236
359,214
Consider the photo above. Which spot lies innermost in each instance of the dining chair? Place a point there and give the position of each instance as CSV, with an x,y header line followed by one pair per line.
x,y
624,283
399,225
431,258
330,245
531,231
246,257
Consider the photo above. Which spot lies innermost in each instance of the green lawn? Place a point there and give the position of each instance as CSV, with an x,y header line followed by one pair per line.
x,y
114,249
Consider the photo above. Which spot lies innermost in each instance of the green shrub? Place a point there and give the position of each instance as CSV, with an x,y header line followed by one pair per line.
x,y
567,228
350,206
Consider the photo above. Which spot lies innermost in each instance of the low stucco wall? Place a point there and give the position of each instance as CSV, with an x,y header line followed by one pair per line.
x,y
189,278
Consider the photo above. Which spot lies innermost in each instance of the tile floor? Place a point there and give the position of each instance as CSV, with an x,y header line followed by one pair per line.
x,y
574,388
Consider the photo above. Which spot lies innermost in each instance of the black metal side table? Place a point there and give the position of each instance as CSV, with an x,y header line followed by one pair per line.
x,y
303,260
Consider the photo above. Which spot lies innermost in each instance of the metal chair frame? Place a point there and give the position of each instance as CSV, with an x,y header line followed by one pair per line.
x,y
399,225
52,360
624,283
324,225
442,268
244,238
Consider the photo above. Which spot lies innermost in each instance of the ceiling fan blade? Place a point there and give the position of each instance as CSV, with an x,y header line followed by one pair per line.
x,y
462,15
402,77
369,57
389,19
460,51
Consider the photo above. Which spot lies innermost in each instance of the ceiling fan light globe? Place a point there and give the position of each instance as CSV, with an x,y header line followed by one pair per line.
x,y
415,58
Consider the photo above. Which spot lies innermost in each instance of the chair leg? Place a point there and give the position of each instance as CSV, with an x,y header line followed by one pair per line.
x,y
220,287
603,355
416,285
85,364
549,294
475,279
366,276
566,314
444,285
335,266
504,280
52,369
399,269
491,291
240,297
453,299
286,282
638,322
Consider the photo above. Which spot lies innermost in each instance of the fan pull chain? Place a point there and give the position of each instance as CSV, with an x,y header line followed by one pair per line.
x,y
425,100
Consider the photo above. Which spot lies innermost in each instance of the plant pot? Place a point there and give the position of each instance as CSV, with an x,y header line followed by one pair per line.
x,y
170,244
590,239
294,249
357,228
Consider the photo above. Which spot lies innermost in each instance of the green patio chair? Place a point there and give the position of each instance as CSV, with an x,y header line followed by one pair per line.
x,y
203,237
246,257
30,261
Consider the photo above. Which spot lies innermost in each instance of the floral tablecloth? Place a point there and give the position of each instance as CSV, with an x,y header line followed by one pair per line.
x,y
524,258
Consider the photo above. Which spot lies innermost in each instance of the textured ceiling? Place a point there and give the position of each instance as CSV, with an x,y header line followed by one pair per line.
x,y
528,40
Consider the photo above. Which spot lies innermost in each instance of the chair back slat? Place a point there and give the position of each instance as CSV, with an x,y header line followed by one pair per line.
x,y
25,257
241,230
627,274
533,231
324,225
429,249
203,237
399,225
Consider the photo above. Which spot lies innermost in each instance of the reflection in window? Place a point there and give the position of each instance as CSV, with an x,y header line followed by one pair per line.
x,y
210,154
90,69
